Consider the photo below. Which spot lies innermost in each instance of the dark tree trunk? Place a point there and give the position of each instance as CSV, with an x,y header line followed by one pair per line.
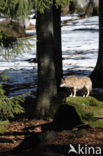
x,y
97,74
57,43
49,62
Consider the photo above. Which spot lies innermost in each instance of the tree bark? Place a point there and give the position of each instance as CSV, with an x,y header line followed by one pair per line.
x,y
57,44
49,61
97,74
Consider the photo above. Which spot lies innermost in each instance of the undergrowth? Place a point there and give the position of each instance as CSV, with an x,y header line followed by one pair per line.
x,y
9,106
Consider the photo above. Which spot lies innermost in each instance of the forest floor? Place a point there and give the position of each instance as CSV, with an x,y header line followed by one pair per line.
x,y
59,146
36,138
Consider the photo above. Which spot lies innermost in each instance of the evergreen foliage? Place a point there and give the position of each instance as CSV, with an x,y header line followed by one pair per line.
x,y
14,8
9,106
10,43
62,2
11,46
3,125
24,7
8,7
40,5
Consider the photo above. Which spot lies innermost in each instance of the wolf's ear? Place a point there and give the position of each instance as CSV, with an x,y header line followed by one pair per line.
x,y
62,84
62,80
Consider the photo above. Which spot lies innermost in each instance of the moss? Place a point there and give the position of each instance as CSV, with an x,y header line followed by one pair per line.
x,y
89,109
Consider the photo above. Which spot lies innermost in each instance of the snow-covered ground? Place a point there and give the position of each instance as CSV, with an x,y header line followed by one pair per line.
x,y
80,50
80,45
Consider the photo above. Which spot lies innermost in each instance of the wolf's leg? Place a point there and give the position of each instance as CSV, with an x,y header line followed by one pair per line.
x,y
87,92
84,90
74,92
71,92
71,95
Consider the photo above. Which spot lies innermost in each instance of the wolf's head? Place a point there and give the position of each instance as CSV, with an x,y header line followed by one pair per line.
x,y
62,84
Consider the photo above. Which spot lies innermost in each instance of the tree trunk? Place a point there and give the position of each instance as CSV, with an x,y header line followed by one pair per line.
x,y
57,44
49,61
97,74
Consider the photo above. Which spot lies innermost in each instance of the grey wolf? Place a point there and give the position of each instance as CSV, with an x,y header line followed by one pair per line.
x,y
77,83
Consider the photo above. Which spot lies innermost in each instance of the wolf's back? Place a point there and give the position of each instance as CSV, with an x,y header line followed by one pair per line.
x,y
70,81
87,82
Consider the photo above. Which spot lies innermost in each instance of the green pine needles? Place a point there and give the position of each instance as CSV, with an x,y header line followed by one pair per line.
x,y
11,47
14,8
41,5
9,106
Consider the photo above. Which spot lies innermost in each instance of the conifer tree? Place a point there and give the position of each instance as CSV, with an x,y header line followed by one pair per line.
x,y
9,106
48,47
49,57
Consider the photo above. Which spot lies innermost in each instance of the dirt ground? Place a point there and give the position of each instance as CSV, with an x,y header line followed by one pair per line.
x,y
18,131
